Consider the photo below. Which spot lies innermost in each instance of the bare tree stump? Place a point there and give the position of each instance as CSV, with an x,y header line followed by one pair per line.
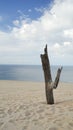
x,y
49,84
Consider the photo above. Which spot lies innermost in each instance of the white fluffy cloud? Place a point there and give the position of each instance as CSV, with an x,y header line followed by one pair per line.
x,y
16,22
26,40
69,33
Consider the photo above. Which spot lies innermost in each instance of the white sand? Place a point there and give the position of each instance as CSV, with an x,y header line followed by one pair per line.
x,y
23,107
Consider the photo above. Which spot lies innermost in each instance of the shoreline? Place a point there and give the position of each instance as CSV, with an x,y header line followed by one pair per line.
x,y
23,106
30,81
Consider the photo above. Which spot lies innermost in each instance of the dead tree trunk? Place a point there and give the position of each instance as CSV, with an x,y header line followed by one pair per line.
x,y
49,84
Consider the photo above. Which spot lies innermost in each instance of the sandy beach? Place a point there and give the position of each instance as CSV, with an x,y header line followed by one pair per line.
x,y
23,106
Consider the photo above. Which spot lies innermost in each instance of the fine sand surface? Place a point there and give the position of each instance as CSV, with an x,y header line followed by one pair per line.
x,y
23,107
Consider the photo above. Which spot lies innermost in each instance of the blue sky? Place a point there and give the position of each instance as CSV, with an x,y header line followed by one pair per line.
x,y
27,25
12,9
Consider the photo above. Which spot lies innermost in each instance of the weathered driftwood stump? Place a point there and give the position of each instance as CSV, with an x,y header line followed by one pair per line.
x,y
49,84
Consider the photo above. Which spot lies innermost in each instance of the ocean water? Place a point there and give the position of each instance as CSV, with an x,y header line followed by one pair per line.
x,y
33,73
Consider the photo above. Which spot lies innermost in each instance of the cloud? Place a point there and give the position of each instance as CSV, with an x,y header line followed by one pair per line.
x,y
67,43
68,33
41,10
29,10
26,40
16,22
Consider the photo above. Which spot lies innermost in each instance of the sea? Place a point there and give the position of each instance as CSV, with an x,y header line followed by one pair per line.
x,y
33,73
